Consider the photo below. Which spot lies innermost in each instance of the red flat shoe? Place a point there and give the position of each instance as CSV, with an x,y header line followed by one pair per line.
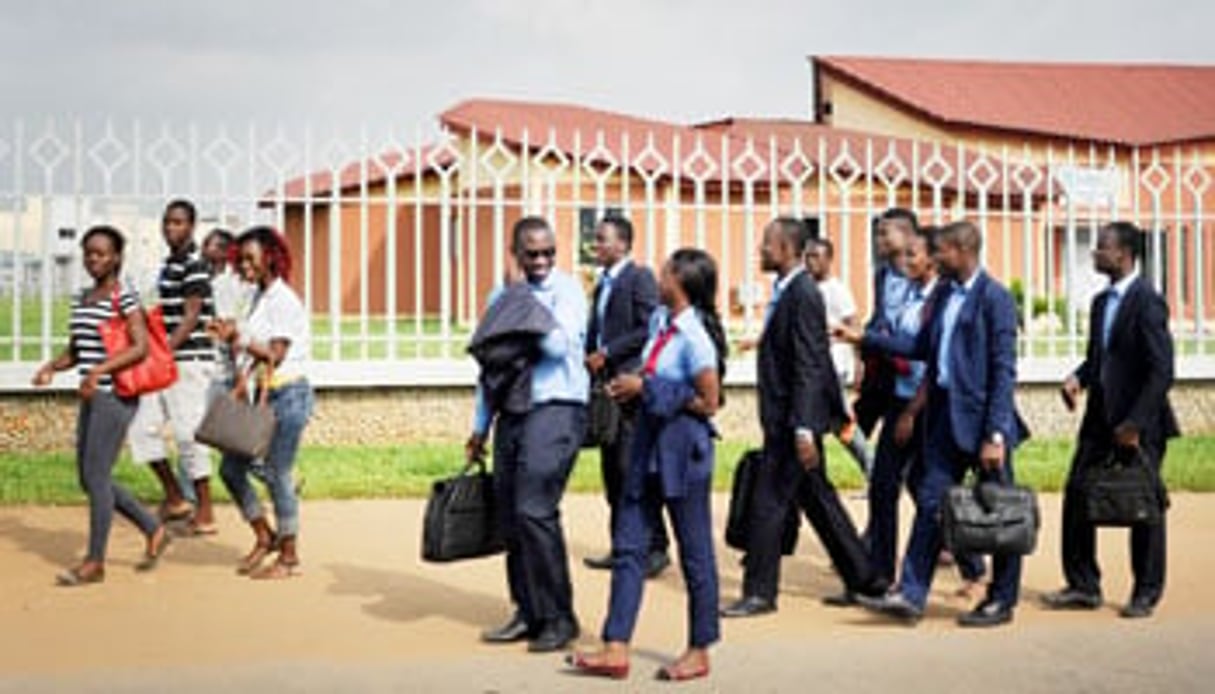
x,y
583,666
668,673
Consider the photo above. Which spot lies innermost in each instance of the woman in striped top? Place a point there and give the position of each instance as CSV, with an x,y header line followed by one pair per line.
x,y
104,416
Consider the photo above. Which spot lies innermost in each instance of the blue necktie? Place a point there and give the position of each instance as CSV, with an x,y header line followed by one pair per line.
x,y
1112,299
605,289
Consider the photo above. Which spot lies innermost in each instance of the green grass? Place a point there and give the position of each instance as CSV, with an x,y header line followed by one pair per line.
x,y
350,472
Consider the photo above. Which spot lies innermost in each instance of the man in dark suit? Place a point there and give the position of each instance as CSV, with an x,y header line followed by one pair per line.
x,y
625,296
1127,370
799,401
971,421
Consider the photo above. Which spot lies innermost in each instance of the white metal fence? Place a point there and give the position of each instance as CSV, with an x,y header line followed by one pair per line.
x,y
399,236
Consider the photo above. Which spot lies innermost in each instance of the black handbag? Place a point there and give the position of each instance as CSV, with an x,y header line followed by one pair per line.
x,y
1124,490
461,520
990,518
602,418
738,524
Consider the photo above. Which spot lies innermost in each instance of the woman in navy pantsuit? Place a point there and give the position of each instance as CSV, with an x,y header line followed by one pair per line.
x,y
679,390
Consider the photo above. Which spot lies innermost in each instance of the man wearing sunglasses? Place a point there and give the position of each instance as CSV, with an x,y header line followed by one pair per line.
x,y
535,450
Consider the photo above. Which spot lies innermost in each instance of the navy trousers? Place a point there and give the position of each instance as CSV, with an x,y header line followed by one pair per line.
x,y
782,482
945,465
533,457
691,519
614,465
1079,536
890,468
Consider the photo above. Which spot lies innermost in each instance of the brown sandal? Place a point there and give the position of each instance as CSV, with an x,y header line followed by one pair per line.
x,y
277,571
254,558
74,577
155,549
176,512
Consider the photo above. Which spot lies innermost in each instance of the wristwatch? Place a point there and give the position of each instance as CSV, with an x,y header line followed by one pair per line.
x,y
997,438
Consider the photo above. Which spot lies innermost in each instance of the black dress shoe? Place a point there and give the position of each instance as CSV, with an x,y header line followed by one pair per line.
x,y
989,613
1071,599
603,563
555,636
844,599
1137,608
517,629
656,563
891,605
749,606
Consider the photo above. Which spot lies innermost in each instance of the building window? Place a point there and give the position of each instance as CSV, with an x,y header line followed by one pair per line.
x,y
1152,250
588,217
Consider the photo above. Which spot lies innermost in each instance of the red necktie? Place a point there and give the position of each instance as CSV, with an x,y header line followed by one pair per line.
x,y
651,363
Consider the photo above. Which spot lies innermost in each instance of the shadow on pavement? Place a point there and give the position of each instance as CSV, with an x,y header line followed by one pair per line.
x,y
403,597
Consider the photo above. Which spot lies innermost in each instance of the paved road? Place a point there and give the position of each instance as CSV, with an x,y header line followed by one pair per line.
x,y
368,616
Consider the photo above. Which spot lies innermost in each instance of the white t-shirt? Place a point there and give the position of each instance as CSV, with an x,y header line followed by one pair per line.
x,y
278,313
841,306
231,294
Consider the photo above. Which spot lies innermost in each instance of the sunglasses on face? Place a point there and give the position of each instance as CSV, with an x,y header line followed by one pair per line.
x,y
537,253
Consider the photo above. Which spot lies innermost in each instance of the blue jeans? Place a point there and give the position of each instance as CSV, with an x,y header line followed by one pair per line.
x,y
292,405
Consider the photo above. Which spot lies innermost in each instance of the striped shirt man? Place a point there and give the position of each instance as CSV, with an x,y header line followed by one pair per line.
x,y
186,274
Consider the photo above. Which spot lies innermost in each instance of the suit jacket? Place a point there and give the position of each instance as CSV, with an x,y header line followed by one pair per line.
x,y
626,319
675,443
982,362
1129,380
798,387
506,345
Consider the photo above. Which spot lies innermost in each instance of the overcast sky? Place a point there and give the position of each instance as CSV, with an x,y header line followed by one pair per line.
x,y
342,63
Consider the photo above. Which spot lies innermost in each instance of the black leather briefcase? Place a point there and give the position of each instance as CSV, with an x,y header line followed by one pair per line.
x,y
1123,491
602,418
738,518
461,520
990,518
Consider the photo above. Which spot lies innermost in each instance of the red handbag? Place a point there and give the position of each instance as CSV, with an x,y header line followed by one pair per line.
x,y
157,371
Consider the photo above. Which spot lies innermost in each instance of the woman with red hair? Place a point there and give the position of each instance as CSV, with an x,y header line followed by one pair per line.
x,y
273,342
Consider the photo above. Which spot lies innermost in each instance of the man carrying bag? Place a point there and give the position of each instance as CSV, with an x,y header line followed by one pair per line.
x,y
1127,370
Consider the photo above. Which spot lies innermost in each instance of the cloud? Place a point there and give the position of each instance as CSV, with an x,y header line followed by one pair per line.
x,y
381,63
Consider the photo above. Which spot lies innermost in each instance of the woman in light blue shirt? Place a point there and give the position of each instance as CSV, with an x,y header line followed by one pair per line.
x,y
671,466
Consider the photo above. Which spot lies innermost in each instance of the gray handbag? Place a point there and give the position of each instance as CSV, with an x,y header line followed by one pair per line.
x,y
238,427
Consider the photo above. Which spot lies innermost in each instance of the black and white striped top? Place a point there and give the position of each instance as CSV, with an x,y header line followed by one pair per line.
x,y
87,316
187,275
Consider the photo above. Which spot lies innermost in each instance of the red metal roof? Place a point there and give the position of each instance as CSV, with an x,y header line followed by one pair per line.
x,y
1129,104
594,135
752,145
559,134
320,183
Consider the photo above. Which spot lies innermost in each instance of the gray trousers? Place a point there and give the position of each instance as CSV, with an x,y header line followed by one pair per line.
x,y
101,429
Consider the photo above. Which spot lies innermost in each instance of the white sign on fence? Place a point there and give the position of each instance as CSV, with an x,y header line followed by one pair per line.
x,y
1089,186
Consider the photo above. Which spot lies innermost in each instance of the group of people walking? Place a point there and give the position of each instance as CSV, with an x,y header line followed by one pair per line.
x,y
234,327
934,368
937,384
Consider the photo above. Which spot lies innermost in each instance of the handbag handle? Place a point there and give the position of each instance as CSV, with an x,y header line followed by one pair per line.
x,y
263,384
478,463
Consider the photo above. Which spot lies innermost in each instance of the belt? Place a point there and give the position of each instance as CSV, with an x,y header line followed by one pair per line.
x,y
280,382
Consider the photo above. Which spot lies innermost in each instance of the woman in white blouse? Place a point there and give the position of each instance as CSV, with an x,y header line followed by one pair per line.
x,y
273,343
